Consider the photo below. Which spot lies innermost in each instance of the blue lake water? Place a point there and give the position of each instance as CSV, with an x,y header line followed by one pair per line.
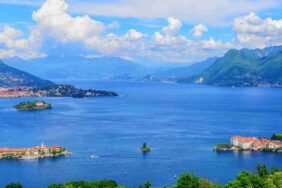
x,y
180,122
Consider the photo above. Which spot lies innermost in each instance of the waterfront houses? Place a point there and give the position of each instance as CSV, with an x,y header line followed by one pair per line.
x,y
33,152
254,143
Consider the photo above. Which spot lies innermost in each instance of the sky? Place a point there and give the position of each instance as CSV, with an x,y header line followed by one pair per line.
x,y
177,31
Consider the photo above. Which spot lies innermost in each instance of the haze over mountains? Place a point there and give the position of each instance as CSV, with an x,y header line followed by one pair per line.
x,y
245,67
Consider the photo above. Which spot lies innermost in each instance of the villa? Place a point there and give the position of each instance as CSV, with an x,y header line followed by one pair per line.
x,y
254,143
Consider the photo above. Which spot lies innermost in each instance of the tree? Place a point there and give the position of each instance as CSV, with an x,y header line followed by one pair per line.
x,y
247,180
188,180
274,180
275,169
262,170
14,185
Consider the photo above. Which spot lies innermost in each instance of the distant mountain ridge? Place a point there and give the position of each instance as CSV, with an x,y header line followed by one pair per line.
x,y
10,77
258,67
174,74
101,68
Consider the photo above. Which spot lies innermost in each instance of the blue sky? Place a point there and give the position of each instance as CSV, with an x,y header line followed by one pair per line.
x,y
139,30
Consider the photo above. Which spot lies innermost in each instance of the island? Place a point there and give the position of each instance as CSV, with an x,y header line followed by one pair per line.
x,y
145,148
33,106
240,143
36,152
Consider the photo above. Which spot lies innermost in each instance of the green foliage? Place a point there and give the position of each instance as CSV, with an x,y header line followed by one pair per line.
x,y
274,180
222,147
262,170
147,184
260,179
244,68
247,180
85,184
14,185
277,137
188,180
145,148
31,106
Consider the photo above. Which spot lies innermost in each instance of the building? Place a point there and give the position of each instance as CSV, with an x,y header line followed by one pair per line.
x,y
253,143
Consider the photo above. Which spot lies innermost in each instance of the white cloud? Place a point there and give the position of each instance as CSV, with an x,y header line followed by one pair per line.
x,y
174,25
15,45
55,25
198,30
189,11
7,53
132,34
52,19
252,31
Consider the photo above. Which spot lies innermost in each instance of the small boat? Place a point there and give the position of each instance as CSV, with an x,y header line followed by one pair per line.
x,y
93,157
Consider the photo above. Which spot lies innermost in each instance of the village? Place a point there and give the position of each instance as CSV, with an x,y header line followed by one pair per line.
x,y
251,143
36,152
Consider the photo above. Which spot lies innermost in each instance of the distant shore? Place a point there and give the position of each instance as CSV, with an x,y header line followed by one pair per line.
x,y
56,91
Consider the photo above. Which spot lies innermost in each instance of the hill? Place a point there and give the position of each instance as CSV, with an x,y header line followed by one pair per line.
x,y
10,77
74,67
244,68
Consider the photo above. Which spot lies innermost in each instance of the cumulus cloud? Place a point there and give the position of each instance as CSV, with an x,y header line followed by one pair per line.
x,y
252,31
55,25
174,25
198,30
52,18
132,34
13,44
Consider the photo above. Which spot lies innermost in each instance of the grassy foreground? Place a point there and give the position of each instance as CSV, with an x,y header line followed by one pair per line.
x,y
262,178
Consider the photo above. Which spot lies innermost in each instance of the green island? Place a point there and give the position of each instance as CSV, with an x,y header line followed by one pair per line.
x,y
145,148
32,106
222,147
261,178
36,152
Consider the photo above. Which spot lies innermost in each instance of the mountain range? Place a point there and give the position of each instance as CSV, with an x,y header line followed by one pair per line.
x,y
243,68
10,77
78,67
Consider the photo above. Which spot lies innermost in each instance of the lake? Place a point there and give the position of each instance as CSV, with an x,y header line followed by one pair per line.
x,y
181,123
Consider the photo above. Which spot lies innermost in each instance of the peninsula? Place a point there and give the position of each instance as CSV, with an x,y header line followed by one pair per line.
x,y
36,152
251,144
16,83
32,106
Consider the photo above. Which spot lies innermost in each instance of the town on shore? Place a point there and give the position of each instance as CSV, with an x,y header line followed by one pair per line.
x,y
252,144
36,152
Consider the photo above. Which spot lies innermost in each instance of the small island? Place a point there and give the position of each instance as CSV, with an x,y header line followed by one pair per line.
x,y
33,106
36,152
145,148
240,143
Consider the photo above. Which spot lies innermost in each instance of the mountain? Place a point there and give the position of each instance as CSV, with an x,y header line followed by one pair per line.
x,y
74,67
259,67
177,73
10,77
